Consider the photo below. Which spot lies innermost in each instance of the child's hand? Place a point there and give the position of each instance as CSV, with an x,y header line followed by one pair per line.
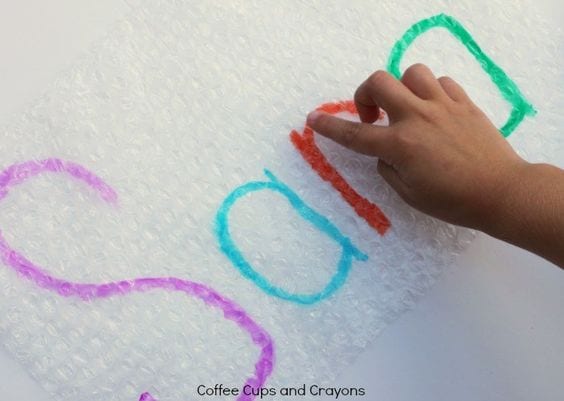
x,y
440,152
444,157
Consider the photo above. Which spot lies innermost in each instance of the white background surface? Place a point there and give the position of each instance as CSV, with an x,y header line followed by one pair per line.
x,y
491,329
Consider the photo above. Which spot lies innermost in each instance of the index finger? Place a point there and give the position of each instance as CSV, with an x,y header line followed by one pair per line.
x,y
361,137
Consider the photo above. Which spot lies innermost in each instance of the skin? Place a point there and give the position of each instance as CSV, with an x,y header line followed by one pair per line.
x,y
445,158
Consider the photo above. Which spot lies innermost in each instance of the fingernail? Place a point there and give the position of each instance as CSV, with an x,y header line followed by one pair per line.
x,y
313,116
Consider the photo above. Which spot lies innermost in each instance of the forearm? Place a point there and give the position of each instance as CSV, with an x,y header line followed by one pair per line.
x,y
531,213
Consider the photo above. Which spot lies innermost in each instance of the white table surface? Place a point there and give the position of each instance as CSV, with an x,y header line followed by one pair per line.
x,y
491,329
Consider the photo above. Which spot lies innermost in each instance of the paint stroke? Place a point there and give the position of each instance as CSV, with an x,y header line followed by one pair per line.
x,y
230,249
18,173
304,142
520,107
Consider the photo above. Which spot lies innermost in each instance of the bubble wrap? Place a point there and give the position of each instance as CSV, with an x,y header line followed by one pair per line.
x,y
132,153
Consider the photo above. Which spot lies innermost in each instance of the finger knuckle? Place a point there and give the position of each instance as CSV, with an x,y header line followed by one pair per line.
x,y
416,69
378,77
433,113
461,109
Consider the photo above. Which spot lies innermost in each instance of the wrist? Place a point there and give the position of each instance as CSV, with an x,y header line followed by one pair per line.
x,y
523,205
506,198
530,214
